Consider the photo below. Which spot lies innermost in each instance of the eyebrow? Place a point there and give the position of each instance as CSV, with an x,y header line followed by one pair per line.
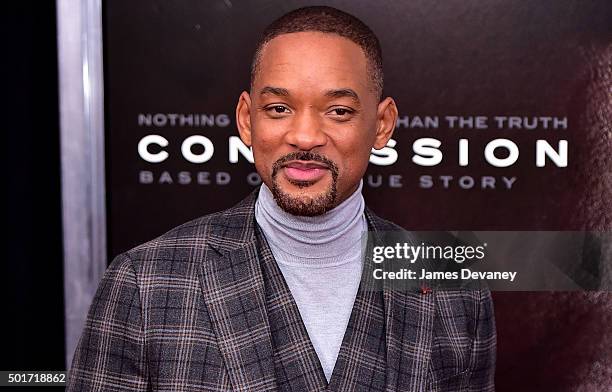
x,y
342,93
334,93
278,91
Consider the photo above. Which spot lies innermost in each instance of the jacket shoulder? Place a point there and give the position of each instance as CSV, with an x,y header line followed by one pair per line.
x,y
178,236
381,224
224,230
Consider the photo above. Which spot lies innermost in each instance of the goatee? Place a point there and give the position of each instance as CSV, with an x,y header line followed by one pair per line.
x,y
305,205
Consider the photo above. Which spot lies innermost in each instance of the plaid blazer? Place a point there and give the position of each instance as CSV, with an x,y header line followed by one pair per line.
x,y
192,311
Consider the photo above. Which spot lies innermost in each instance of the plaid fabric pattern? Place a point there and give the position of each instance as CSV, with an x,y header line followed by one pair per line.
x,y
361,361
189,311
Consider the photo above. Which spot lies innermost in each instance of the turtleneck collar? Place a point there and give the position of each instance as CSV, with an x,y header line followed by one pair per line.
x,y
322,240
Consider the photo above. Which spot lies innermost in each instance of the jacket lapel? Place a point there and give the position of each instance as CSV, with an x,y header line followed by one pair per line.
x,y
233,289
408,324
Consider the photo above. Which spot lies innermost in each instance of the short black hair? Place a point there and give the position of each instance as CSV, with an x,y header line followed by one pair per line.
x,y
327,20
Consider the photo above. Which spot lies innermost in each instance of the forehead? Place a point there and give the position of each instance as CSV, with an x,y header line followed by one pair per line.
x,y
312,59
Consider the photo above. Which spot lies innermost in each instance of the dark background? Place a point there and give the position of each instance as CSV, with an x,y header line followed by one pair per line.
x,y
32,278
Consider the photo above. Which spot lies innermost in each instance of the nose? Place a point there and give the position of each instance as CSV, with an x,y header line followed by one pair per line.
x,y
306,131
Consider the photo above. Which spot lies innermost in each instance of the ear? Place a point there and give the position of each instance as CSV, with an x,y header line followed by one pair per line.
x,y
386,118
243,118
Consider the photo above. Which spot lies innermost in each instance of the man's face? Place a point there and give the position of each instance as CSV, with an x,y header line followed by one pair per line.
x,y
312,119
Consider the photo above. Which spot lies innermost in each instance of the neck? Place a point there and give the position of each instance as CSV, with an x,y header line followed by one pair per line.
x,y
322,239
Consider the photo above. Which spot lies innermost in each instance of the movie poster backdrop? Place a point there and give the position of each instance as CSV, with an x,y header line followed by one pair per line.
x,y
504,123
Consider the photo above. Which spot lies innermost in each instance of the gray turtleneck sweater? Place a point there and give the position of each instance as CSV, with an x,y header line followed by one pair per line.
x,y
320,258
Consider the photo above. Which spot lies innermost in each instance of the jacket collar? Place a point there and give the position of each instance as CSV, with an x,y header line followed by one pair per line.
x,y
234,292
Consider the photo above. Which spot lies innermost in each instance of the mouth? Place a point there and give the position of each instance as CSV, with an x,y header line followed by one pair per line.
x,y
304,171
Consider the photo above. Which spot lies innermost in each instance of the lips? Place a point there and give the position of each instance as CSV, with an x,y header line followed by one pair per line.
x,y
305,170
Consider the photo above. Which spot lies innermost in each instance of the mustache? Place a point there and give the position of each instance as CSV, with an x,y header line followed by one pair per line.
x,y
304,156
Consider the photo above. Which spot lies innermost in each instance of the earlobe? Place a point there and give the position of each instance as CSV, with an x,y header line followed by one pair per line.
x,y
386,121
243,118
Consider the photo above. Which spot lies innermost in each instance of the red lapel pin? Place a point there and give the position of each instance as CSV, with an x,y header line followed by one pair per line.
x,y
425,290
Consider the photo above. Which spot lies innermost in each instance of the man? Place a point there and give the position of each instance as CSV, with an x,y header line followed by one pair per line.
x,y
268,295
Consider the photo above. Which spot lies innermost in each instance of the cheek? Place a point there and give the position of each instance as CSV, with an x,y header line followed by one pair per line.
x,y
263,143
355,149
267,137
264,153
262,158
261,140
355,159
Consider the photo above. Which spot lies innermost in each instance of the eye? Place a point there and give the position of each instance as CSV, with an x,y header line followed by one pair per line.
x,y
277,109
342,114
341,111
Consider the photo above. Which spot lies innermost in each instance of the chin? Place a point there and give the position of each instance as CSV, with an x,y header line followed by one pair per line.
x,y
303,199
